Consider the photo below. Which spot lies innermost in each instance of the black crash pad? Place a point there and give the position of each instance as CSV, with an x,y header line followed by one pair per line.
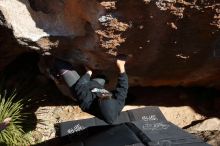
x,y
144,126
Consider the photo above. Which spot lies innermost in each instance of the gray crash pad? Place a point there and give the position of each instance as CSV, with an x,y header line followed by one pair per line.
x,y
144,126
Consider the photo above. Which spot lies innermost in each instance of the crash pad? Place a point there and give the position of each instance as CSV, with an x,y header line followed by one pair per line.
x,y
144,126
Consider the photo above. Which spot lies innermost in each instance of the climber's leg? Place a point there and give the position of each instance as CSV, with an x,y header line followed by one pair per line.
x,y
65,70
100,81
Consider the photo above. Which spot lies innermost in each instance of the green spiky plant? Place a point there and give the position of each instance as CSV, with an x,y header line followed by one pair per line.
x,y
13,133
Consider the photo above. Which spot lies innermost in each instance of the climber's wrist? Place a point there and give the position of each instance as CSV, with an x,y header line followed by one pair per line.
x,y
89,72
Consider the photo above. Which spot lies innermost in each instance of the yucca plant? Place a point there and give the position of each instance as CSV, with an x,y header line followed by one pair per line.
x,y
13,133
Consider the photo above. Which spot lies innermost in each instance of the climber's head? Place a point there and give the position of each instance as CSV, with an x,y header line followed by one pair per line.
x,y
102,93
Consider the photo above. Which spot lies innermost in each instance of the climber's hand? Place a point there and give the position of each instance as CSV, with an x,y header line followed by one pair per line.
x,y
88,70
121,65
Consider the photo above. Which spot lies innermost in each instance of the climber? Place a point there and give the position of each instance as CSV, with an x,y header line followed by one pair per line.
x,y
91,94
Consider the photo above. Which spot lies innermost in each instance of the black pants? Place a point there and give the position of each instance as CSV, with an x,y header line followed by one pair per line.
x,y
71,77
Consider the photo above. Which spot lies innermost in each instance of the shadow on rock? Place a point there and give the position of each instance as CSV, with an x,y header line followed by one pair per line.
x,y
203,100
31,86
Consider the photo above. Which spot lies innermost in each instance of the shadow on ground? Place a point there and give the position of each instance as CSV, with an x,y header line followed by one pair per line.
x,y
203,100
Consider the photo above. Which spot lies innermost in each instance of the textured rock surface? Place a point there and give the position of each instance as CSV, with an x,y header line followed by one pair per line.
x,y
207,125
211,137
208,130
169,42
52,27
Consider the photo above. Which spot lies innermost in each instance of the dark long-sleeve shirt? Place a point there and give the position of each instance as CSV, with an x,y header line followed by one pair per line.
x,y
83,92
122,87
86,97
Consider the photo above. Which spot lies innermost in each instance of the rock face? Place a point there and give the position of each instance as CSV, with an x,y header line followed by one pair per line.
x,y
209,130
51,27
168,42
207,125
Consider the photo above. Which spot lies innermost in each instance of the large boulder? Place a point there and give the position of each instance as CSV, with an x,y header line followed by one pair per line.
x,y
171,42
168,42
51,27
